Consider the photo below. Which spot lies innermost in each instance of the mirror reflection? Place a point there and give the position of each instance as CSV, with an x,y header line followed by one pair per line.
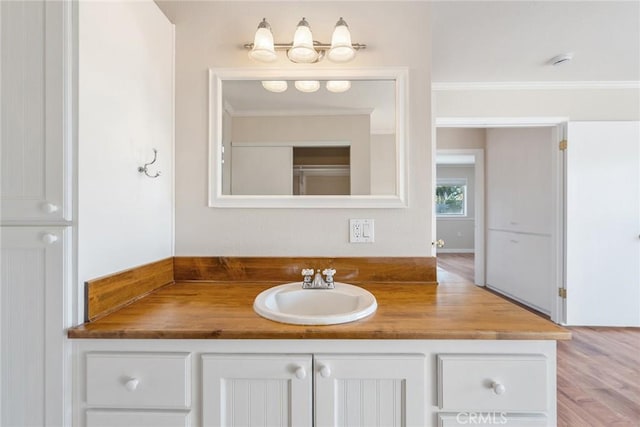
x,y
309,137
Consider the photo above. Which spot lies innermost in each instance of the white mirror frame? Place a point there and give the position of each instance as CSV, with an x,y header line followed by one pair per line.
x,y
217,199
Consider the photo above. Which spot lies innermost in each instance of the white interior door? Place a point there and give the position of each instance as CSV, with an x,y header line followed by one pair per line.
x,y
603,224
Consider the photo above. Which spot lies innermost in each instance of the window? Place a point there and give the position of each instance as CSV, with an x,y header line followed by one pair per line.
x,y
451,198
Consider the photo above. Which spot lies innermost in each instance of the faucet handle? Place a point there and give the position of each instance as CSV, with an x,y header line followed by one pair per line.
x,y
328,273
307,271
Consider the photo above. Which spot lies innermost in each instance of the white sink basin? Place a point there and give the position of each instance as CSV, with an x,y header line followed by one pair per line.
x,y
290,303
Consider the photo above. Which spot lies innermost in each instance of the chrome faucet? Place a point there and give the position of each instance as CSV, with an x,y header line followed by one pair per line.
x,y
318,282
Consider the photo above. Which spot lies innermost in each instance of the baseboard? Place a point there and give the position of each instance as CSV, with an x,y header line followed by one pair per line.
x,y
455,251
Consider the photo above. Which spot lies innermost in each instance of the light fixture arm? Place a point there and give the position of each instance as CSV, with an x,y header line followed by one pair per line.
x,y
319,46
322,48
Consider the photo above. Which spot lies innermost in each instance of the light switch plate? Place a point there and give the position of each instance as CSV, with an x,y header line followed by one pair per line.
x,y
361,231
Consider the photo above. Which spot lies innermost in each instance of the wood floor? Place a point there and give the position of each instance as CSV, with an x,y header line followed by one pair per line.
x,y
598,370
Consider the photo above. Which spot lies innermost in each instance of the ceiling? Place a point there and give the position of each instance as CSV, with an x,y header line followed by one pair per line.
x,y
512,41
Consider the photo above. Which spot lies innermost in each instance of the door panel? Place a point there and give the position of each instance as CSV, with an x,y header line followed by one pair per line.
x,y
603,224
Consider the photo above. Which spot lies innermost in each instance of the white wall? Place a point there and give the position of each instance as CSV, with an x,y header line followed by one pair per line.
x,y
458,233
210,35
125,89
576,104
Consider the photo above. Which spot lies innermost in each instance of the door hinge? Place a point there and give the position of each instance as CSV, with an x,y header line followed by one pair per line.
x,y
562,145
562,293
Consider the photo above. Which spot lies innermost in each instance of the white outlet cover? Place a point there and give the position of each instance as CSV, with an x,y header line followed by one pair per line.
x,y
361,231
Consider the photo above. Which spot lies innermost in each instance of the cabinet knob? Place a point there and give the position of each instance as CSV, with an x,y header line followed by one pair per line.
x,y
49,208
325,371
132,384
498,388
49,238
301,373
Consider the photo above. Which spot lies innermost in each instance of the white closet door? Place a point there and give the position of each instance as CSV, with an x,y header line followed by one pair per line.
x,y
603,224
261,170
32,323
35,103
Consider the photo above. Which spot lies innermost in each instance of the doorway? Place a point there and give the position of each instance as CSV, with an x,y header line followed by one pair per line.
x,y
492,237
460,211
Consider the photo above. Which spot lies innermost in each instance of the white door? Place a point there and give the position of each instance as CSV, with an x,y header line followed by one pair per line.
x,y
261,170
35,171
603,224
256,390
32,326
369,390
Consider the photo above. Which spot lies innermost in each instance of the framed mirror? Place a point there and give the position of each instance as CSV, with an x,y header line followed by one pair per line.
x,y
307,138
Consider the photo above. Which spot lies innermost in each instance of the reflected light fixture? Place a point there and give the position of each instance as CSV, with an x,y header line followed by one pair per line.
x,y
304,49
262,48
338,86
276,86
307,85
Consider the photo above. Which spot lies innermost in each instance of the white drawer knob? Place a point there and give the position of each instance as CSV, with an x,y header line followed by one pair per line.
x,y
498,388
301,373
325,371
49,238
49,207
132,384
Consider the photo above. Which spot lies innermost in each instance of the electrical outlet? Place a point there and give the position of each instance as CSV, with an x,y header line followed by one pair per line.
x,y
361,231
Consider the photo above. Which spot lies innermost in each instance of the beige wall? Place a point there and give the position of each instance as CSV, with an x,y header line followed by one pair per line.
x,y
576,104
383,164
460,138
353,129
209,35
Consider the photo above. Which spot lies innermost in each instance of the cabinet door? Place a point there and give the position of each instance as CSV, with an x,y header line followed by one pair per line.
x,y
519,265
369,390
519,179
35,147
257,390
32,318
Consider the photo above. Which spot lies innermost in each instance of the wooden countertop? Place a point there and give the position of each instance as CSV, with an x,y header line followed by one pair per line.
x,y
214,310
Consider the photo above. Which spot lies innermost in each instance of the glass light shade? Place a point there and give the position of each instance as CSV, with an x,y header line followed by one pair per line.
x,y
302,49
338,86
276,86
341,48
263,49
307,85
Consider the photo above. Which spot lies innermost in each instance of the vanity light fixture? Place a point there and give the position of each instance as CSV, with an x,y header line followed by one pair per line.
x,y
276,86
338,86
262,48
307,85
304,49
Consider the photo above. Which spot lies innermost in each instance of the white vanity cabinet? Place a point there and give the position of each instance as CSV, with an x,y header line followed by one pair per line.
x,y
318,383
340,389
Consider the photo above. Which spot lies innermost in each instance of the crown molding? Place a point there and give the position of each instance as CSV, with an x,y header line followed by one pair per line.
x,y
451,86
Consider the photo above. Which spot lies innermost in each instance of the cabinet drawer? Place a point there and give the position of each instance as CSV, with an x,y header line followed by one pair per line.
x,y
491,419
139,380
473,382
136,418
